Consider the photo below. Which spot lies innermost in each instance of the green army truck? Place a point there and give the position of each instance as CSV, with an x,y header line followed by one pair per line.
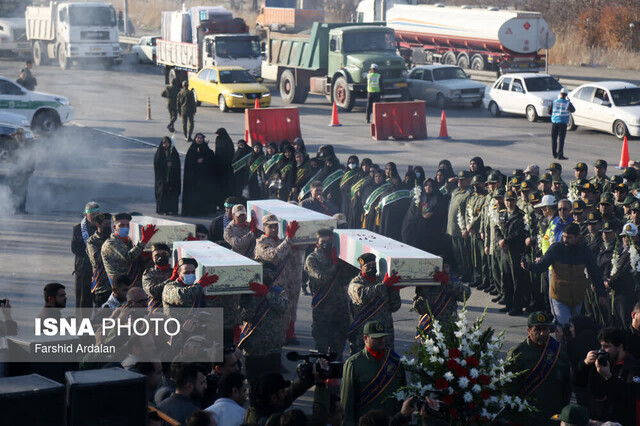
x,y
334,59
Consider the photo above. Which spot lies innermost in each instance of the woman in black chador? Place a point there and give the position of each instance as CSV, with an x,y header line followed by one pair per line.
x,y
198,192
166,165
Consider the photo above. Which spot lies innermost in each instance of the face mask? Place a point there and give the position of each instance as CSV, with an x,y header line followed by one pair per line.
x,y
352,166
189,279
418,174
326,246
105,230
371,271
123,232
162,260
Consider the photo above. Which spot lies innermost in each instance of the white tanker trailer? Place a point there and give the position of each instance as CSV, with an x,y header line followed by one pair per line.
x,y
492,39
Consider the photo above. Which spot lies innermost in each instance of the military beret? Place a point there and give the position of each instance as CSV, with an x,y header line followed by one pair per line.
x,y
526,185
539,318
516,181
621,187
594,217
546,177
122,216
607,198
187,261
160,246
477,180
555,166
589,203
582,182
464,174
581,167
517,172
493,177
324,233
511,195
103,216
534,197
608,226
499,193
588,187
374,329
629,200
366,258
578,206
601,164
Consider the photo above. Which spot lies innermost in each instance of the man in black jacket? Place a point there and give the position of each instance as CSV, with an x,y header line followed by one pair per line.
x,y
83,269
612,378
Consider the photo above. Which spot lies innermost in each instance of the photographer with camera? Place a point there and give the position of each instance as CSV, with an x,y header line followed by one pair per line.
x,y
612,378
272,395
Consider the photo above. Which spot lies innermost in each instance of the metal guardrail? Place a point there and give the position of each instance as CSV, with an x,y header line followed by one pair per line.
x,y
490,77
129,40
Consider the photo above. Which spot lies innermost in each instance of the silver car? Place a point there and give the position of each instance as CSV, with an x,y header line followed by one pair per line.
x,y
445,84
145,50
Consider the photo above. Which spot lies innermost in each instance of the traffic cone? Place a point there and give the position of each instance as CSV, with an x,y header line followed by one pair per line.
x,y
334,116
257,106
624,155
443,127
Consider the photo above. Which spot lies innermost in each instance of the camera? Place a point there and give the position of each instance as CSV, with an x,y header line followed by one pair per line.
x,y
603,357
305,368
418,402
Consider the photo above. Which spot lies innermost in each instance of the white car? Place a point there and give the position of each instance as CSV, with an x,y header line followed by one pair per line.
x,y
526,94
443,84
11,119
145,50
44,112
609,106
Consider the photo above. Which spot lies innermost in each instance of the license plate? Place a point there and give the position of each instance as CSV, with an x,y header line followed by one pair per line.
x,y
402,84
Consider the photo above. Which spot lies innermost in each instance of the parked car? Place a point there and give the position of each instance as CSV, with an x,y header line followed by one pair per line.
x,y
16,120
45,112
443,84
609,106
145,50
229,87
528,93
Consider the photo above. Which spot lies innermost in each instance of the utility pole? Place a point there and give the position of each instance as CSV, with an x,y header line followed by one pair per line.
x,y
126,17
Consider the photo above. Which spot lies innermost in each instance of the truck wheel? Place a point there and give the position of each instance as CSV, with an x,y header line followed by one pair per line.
x,y
441,102
343,98
620,129
222,104
288,90
571,126
45,122
303,94
39,54
463,60
62,57
449,58
477,62
494,110
531,113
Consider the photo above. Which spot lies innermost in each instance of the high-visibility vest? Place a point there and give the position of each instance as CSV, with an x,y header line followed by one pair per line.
x,y
560,112
373,82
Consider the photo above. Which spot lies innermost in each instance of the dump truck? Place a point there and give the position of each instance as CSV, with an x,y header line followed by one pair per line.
x,y
286,19
205,36
477,38
73,32
333,60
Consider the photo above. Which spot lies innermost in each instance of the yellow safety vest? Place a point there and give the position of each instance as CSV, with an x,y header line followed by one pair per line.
x,y
373,82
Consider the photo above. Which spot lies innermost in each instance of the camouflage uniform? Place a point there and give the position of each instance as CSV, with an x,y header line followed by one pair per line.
x,y
94,251
230,314
119,255
241,239
426,295
331,316
176,294
262,347
153,281
294,285
361,292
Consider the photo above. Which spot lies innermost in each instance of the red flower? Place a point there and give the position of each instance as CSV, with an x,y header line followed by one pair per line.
x,y
472,405
484,379
441,277
453,365
448,400
454,414
454,353
472,362
473,381
485,394
442,383
462,372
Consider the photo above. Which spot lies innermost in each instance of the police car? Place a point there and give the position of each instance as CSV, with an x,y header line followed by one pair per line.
x,y
44,112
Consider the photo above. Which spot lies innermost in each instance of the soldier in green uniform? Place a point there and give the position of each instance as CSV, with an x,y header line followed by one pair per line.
x,y
171,93
100,286
371,376
330,304
495,213
184,291
600,176
488,234
186,102
457,227
156,275
120,256
555,169
372,299
473,212
547,379
580,173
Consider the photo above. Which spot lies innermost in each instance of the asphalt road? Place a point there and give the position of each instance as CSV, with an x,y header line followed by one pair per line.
x,y
106,154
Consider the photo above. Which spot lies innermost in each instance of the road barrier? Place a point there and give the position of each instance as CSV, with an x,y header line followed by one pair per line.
x,y
490,77
266,125
399,120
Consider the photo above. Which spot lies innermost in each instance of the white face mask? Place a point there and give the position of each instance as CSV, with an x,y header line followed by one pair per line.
x,y
352,165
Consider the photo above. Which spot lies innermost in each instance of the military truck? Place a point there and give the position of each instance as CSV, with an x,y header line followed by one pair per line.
x,y
333,60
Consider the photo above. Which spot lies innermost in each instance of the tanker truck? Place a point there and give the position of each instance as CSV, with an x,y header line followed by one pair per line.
x,y
481,39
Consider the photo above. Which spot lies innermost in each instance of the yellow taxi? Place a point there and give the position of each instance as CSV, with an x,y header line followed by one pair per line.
x,y
228,87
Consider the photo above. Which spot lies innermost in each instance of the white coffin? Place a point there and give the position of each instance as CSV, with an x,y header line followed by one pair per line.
x,y
234,271
310,222
414,266
169,231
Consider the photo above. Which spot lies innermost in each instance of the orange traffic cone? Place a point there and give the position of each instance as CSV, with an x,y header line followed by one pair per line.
x,y
624,155
257,106
443,127
334,116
